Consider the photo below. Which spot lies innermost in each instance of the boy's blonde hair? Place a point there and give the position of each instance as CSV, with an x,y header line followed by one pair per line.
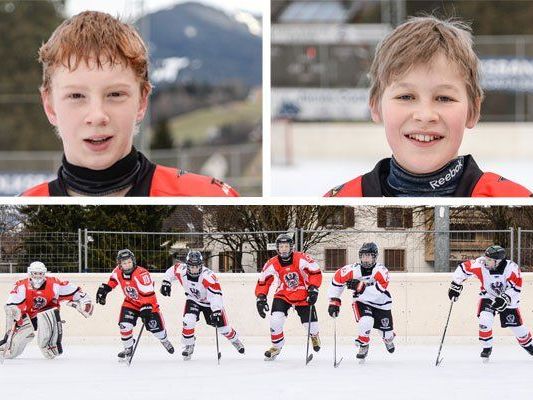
x,y
416,42
99,37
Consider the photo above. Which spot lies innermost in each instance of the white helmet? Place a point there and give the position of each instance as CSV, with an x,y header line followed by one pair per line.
x,y
36,274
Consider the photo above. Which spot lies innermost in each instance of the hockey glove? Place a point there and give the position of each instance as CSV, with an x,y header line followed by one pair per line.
x,y
454,291
312,295
356,285
13,313
217,319
165,288
262,305
102,292
334,307
501,302
145,313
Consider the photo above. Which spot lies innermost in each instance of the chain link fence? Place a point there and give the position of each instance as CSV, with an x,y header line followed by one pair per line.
x,y
404,250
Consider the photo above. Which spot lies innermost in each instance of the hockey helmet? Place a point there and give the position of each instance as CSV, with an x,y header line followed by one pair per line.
x,y
368,248
284,246
122,257
195,263
493,255
37,274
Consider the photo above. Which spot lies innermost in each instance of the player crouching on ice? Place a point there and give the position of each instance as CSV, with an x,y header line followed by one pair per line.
x,y
371,300
299,278
139,301
501,283
33,305
204,295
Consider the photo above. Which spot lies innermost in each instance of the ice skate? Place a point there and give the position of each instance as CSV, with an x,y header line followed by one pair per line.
x,y
272,353
363,352
125,354
315,340
238,345
389,345
168,346
187,352
485,354
529,349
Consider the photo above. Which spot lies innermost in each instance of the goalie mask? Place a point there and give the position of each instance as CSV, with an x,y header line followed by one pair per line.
x,y
493,256
195,263
126,260
284,246
368,254
37,274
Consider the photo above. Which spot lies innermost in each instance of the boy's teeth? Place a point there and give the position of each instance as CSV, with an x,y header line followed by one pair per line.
x,y
422,138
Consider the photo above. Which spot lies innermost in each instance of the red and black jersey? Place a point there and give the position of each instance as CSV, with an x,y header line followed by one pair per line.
x,y
473,183
151,180
138,288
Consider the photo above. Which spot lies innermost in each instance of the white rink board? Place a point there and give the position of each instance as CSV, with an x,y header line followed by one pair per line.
x,y
420,306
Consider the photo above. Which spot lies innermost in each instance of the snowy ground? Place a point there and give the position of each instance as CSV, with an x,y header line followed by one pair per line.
x,y
92,372
316,177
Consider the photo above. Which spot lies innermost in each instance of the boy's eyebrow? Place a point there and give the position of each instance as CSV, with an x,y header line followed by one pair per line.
x,y
406,85
113,85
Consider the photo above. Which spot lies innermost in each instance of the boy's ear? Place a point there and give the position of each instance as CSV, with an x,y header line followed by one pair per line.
x,y
143,105
375,111
473,118
46,98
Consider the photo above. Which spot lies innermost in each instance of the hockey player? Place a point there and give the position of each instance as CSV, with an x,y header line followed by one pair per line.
x,y
299,278
139,301
501,283
33,305
371,300
204,295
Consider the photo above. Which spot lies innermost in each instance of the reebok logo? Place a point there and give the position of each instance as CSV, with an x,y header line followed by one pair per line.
x,y
437,183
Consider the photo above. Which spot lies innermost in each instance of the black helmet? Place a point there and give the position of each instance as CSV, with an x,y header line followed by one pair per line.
x,y
369,248
126,254
284,238
495,252
194,262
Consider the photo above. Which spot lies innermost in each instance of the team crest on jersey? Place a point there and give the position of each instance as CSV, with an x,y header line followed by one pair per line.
x,y
497,287
291,280
39,302
152,324
131,292
195,292
510,319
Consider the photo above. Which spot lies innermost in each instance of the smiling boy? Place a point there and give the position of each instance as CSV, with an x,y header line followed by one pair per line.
x,y
95,93
425,90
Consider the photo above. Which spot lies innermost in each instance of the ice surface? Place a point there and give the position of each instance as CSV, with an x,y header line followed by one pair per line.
x,y
90,371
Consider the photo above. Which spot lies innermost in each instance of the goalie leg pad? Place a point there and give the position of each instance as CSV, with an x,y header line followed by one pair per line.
x,y
50,333
16,342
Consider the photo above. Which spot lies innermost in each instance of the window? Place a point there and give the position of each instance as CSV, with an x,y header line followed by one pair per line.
x,y
335,258
336,216
395,217
395,259
230,261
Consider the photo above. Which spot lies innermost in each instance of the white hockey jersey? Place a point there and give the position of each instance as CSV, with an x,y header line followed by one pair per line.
x,y
505,278
375,293
204,291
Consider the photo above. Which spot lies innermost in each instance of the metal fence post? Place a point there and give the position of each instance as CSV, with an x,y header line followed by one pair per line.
x,y
79,250
519,247
85,244
511,231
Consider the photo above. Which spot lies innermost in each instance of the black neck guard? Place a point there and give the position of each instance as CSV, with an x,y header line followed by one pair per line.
x,y
90,182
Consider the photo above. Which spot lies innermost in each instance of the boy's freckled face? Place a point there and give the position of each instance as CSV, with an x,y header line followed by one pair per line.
x,y
425,112
95,111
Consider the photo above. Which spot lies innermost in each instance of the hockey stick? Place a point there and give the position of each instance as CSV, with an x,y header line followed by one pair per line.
x,y
135,345
309,357
439,360
219,354
9,341
335,363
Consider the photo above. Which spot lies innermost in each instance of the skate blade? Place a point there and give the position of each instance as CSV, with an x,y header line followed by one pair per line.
x,y
361,360
186,358
271,358
485,360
